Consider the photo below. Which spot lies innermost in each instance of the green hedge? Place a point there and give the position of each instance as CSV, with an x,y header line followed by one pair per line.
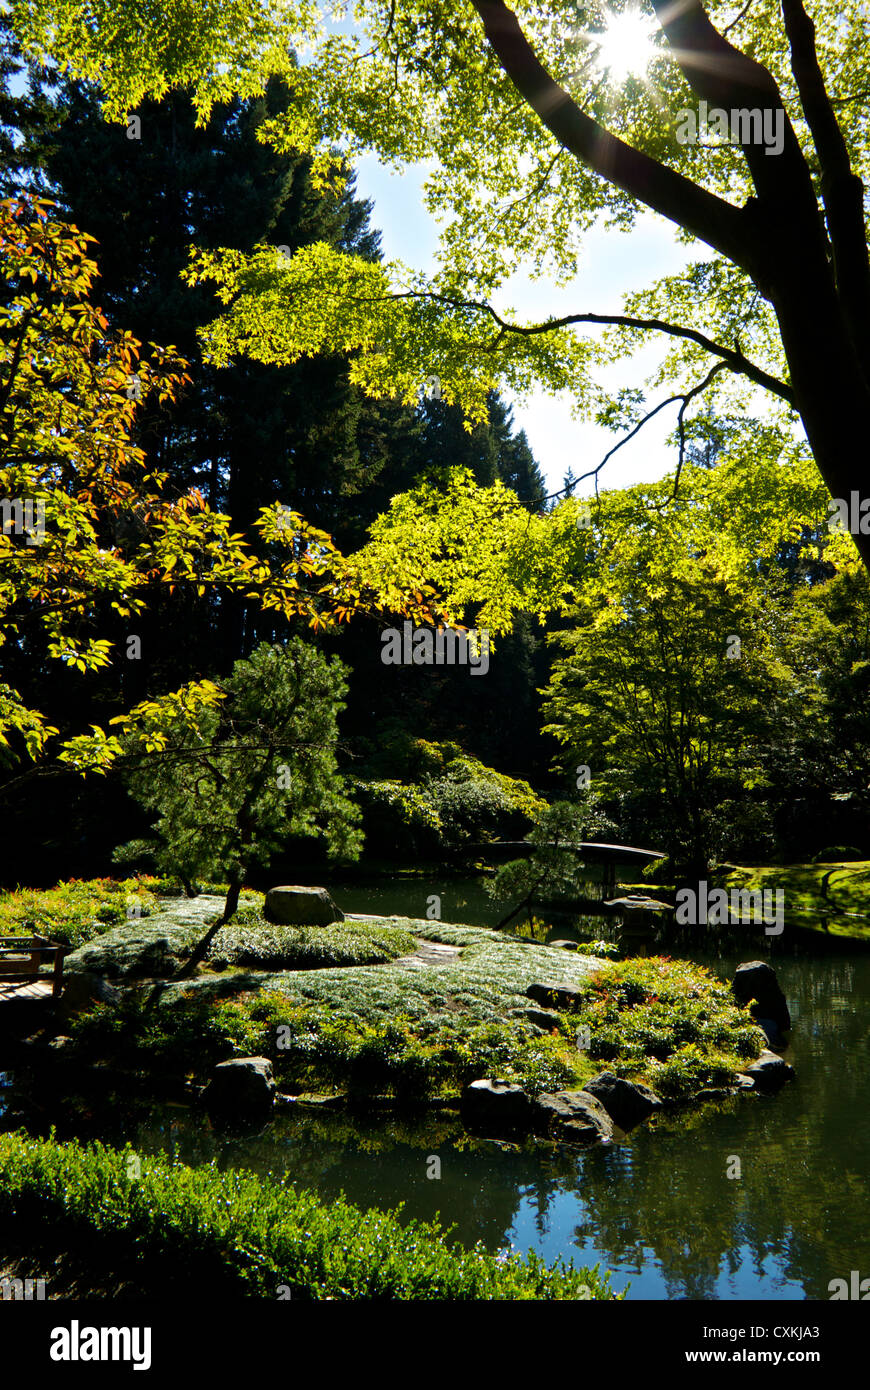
x,y
243,1234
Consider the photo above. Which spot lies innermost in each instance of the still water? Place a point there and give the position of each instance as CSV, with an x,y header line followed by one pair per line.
x,y
658,1209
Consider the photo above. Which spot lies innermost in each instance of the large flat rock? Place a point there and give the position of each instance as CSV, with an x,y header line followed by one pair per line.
x,y
293,905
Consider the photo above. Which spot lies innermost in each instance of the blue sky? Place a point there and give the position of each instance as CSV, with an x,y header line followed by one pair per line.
x,y
614,264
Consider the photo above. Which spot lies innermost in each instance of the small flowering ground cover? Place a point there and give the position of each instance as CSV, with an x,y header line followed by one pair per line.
x,y
339,1008
75,912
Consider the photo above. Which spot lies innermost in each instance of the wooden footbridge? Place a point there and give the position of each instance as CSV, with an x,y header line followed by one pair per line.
x,y
21,958
605,860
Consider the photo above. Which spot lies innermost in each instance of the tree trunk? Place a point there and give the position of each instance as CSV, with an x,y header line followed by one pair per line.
x,y
201,949
832,395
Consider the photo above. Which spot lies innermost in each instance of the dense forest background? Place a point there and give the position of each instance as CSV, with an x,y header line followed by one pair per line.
x,y
245,436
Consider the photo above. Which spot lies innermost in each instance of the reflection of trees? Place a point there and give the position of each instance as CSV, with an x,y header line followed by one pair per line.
x,y
803,1155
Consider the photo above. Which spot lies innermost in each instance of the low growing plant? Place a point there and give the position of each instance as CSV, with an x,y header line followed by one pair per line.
x,y
247,1235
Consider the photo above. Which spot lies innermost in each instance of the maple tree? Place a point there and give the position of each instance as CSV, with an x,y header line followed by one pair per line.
x,y
91,529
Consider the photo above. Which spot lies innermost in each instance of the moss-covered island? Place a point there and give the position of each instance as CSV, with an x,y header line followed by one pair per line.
x,y
411,1008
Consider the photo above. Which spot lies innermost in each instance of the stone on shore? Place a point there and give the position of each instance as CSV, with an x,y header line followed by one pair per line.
x,y
769,1072
756,980
496,1107
241,1089
626,1102
293,906
574,1116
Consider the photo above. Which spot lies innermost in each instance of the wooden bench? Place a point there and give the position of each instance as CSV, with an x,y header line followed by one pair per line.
x,y
21,957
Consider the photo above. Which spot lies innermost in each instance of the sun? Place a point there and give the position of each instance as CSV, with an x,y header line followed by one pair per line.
x,y
625,47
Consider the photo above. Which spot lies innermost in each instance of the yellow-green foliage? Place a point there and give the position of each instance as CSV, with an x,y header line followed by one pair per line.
x,y
76,911
820,897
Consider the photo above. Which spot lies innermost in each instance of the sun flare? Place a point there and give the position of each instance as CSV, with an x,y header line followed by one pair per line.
x,y
625,47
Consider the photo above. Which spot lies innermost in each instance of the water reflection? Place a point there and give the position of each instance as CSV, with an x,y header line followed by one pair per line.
x,y
658,1209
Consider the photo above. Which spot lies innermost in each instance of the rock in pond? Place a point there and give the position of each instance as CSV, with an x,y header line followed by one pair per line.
x,y
556,996
574,1116
769,1072
626,1102
496,1107
293,906
772,1032
241,1089
756,980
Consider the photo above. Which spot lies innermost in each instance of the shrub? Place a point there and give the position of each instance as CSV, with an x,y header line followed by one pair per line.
x,y
246,1235
78,910
607,949
690,1068
838,854
671,1022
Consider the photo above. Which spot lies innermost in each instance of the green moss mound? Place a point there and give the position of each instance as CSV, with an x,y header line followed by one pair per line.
x,y
244,1235
252,941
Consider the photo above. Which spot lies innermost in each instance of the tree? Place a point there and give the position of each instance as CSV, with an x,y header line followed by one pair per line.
x,y
534,135
231,789
662,695
679,647
553,865
818,756
90,531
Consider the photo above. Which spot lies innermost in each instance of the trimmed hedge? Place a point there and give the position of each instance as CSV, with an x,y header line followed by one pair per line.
x,y
246,1235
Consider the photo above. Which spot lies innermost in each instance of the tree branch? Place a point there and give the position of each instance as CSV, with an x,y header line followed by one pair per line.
x,y
684,397
712,219
842,190
733,357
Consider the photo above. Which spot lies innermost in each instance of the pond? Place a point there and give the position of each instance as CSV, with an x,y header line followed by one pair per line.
x,y
754,1197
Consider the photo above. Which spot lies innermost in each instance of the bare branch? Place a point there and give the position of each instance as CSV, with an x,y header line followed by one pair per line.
x,y
737,19
733,357
684,397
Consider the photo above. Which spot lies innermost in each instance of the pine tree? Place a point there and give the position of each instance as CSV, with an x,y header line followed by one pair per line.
x,y
257,769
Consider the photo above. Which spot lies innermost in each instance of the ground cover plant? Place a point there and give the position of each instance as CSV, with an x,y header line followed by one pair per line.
x,y
250,940
241,1234
76,911
428,1031
154,946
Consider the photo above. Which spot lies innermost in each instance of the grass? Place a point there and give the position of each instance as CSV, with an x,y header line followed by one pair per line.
x,y
174,1228
819,897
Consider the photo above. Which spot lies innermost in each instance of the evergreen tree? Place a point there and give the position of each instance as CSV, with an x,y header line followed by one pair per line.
x,y
256,770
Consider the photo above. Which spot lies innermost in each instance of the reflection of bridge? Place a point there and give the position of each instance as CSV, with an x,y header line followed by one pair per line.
x,y
607,859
